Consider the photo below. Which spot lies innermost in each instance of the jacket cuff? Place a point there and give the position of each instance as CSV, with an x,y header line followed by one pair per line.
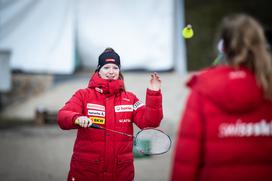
x,y
153,93
74,119
153,99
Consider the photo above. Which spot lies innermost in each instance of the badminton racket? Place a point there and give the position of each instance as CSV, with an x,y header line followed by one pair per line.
x,y
148,141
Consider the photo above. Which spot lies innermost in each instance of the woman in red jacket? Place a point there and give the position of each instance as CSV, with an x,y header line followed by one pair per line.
x,y
98,154
226,128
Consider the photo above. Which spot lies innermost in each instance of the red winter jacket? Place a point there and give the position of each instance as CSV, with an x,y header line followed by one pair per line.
x,y
226,130
101,155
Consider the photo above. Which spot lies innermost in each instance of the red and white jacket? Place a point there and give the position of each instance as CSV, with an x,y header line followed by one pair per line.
x,y
98,154
225,132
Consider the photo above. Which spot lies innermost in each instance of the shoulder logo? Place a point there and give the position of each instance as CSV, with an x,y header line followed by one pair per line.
x,y
137,105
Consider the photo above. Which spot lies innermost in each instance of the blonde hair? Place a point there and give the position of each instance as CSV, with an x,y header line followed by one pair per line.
x,y
245,45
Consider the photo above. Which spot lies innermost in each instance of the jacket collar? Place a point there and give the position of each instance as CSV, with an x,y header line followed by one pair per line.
x,y
107,87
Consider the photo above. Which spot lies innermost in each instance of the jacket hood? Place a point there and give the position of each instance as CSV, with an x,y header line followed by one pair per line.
x,y
103,86
232,89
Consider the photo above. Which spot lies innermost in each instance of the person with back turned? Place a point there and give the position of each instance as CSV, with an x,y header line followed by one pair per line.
x,y
225,131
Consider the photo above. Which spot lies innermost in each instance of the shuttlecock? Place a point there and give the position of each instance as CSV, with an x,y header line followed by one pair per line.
x,y
188,32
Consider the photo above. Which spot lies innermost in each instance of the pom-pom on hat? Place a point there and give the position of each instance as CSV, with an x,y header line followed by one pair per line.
x,y
108,56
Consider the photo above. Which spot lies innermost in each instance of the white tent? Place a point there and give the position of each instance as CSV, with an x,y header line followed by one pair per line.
x,y
44,35
39,33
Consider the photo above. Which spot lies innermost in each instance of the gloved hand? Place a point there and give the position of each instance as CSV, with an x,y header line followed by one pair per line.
x,y
83,121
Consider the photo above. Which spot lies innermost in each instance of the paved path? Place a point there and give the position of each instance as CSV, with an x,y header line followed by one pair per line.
x,y
43,153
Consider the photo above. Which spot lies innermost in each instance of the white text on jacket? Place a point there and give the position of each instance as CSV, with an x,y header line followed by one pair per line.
x,y
246,129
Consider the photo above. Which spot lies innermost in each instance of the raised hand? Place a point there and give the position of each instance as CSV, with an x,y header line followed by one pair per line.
x,y
155,82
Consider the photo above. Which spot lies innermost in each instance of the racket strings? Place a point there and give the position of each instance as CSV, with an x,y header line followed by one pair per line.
x,y
152,141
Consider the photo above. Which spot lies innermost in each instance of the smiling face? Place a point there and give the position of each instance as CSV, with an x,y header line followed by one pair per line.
x,y
109,71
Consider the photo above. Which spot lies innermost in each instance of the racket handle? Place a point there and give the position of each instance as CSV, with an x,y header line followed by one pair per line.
x,y
95,126
92,126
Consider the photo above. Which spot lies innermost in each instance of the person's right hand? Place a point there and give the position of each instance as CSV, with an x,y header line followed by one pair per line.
x,y
83,121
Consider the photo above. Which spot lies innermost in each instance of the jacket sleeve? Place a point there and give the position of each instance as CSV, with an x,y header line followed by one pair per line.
x,y
150,114
188,148
70,111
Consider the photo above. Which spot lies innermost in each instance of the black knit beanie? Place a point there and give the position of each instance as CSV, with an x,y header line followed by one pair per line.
x,y
108,56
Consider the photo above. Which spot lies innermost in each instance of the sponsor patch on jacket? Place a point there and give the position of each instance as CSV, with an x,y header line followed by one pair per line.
x,y
137,105
124,120
123,108
96,113
97,120
95,106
